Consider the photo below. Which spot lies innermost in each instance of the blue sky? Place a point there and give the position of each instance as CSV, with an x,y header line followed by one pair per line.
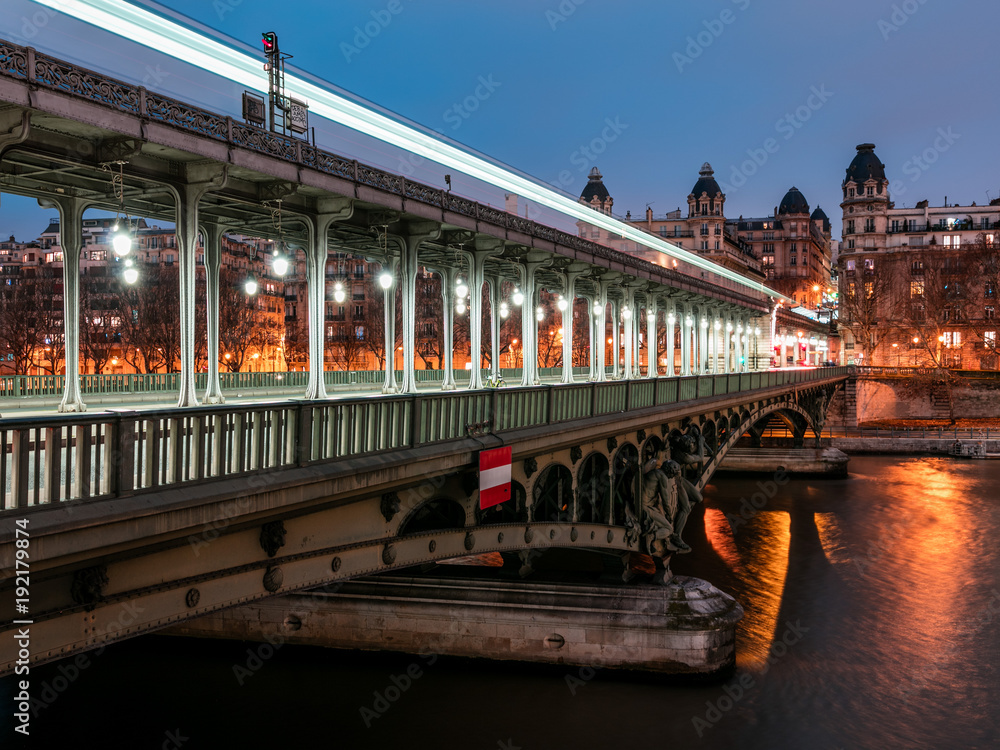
x,y
772,94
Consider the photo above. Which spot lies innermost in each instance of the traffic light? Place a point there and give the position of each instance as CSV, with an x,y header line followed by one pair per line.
x,y
270,41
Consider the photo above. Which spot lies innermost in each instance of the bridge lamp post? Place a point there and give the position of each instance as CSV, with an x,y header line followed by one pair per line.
x,y
703,346
756,345
562,304
517,297
250,285
916,340
686,354
279,264
339,295
896,348
504,310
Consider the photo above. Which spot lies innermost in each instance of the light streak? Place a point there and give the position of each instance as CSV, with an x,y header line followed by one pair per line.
x,y
158,33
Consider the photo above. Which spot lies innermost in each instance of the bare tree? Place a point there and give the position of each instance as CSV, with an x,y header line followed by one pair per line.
x,y
871,294
150,319
18,334
982,282
97,319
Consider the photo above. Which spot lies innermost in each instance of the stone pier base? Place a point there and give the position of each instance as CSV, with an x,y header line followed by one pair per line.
x,y
686,627
810,461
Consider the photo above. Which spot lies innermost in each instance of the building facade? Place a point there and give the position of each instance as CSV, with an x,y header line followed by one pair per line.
x,y
917,285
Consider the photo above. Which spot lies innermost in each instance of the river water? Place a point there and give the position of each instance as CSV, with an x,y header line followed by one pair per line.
x,y
872,621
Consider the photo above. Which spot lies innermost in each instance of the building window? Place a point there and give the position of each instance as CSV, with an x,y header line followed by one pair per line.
x,y
717,245
718,229
917,268
768,235
989,292
704,245
953,240
952,339
990,339
871,190
916,289
792,261
795,247
767,247
869,266
895,225
916,241
850,193
869,290
851,265
750,235
869,225
850,244
595,233
704,229
850,226
663,231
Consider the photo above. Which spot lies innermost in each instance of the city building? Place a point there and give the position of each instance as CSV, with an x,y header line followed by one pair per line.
x,y
703,230
917,285
795,249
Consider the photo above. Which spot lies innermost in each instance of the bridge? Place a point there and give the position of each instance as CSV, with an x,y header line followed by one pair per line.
x,y
141,517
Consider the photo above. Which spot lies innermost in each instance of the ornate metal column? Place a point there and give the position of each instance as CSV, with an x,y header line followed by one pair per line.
x,y
569,296
652,356
212,232
496,299
628,318
670,334
477,277
71,240
449,277
417,234
591,327
529,326
389,327
703,324
616,325
318,226
202,179
686,323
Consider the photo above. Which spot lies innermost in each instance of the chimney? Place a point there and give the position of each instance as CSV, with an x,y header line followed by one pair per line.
x,y
510,203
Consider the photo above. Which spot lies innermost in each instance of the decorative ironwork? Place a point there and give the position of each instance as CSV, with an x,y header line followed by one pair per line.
x,y
530,467
264,142
273,578
62,76
335,564
88,586
470,541
388,554
191,598
180,115
272,537
13,61
389,506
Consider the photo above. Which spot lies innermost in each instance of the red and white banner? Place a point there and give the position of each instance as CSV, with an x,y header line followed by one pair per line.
x,y
494,477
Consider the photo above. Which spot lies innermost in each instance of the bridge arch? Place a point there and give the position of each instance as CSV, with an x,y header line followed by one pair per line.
x,y
552,494
747,419
438,514
593,488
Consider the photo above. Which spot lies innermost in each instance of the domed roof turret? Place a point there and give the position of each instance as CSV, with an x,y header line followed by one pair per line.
x,y
595,187
793,203
866,166
706,182
820,214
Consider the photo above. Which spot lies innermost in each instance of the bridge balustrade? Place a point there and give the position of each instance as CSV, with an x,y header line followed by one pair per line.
x,y
80,457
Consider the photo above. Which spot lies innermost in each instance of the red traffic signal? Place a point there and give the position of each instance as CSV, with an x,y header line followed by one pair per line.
x,y
270,42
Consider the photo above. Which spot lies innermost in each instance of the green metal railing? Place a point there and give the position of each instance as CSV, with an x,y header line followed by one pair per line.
x,y
51,459
52,386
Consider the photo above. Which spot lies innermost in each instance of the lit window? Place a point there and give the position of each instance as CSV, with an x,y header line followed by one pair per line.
x,y
916,288
990,339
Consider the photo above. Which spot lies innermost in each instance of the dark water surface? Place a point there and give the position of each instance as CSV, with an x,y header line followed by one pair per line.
x,y
873,621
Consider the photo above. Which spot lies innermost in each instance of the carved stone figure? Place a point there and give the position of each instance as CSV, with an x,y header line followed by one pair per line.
x,y
659,502
686,450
